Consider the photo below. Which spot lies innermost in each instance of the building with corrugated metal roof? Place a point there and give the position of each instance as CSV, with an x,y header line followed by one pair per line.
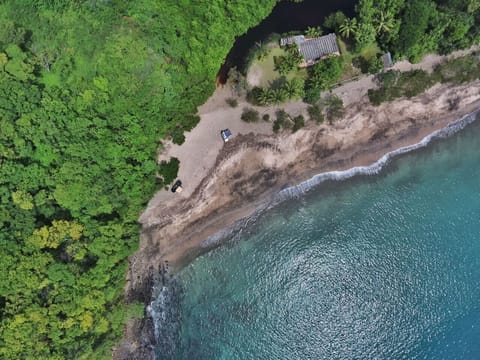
x,y
313,49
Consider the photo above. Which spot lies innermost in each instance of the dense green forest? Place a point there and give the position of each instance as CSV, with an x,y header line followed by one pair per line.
x,y
412,28
87,90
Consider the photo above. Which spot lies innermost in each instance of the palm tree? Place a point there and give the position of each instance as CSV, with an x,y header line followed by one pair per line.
x,y
279,96
271,96
384,22
312,32
264,96
290,90
349,27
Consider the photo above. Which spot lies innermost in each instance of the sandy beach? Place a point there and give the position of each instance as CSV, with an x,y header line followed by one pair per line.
x,y
224,183
253,166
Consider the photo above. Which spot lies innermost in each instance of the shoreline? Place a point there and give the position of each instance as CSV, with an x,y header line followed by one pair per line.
x,y
375,168
252,168
217,229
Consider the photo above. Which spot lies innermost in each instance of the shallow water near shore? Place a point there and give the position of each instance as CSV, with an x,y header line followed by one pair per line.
x,y
384,266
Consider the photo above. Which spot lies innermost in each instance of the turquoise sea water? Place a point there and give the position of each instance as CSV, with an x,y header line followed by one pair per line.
x,y
375,267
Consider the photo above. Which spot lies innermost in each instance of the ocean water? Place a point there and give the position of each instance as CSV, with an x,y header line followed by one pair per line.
x,y
383,266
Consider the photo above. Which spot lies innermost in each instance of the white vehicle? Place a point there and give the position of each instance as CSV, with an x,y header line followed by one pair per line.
x,y
226,134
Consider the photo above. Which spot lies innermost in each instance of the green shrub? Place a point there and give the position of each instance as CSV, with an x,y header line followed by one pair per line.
x,y
282,121
236,80
250,115
232,102
374,65
334,20
255,96
333,107
322,76
266,117
459,70
168,170
412,83
315,113
298,123
389,78
177,135
190,121
395,84
376,96
312,95
276,126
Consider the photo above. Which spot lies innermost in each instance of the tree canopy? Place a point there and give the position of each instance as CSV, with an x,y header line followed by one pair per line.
x,y
87,90
412,28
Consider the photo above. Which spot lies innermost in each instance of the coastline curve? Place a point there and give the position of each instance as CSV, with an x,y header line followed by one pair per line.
x,y
298,190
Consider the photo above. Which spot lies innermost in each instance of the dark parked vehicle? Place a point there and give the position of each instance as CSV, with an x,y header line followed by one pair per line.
x,y
177,187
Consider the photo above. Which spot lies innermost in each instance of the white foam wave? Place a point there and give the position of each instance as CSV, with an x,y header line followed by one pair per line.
x,y
164,312
376,167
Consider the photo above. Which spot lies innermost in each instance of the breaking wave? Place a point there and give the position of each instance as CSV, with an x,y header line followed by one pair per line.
x,y
165,313
376,167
